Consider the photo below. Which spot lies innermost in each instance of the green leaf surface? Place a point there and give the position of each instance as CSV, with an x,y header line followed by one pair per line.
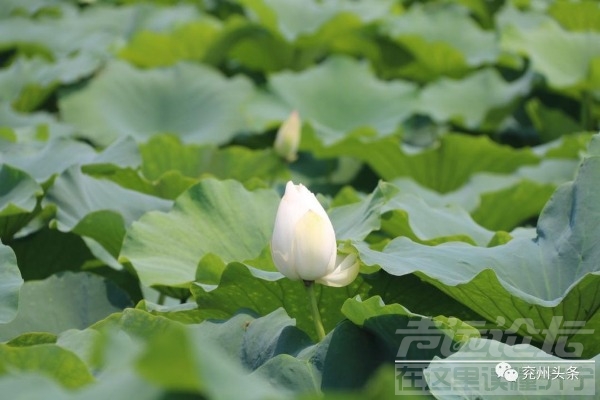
x,y
151,49
163,156
218,217
416,295
61,302
176,357
428,32
41,160
19,195
89,32
580,17
341,95
486,354
392,213
264,292
192,101
98,208
47,359
444,166
294,20
553,274
563,57
481,93
56,252
489,198
10,284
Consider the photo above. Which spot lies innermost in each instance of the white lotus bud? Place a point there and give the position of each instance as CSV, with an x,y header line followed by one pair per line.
x,y
288,137
304,245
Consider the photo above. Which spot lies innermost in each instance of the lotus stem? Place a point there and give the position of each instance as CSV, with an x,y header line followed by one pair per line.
x,y
314,307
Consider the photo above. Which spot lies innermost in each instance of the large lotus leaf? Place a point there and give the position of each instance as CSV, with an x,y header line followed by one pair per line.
x,y
580,17
215,217
342,95
293,19
48,359
550,123
29,6
418,296
355,221
10,284
429,33
41,160
193,101
71,300
31,126
490,198
91,31
176,357
99,210
563,57
77,195
406,215
164,154
157,49
412,218
402,335
18,199
254,340
444,166
555,274
446,378
27,83
364,313
246,287
480,93
55,251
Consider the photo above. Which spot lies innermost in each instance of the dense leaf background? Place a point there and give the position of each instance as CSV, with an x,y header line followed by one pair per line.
x,y
453,144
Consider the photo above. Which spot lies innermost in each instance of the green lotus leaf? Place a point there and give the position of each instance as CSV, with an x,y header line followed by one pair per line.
x,y
71,300
163,155
485,196
486,354
89,32
178,357
77,196
18,199
396,214
294,20
428,32
341,95
438,22
47,359
263,292
157,49
98,210
42,160
215,217
444,166
580,17
553,274
563,57
10,284
192,101
485,99
32,126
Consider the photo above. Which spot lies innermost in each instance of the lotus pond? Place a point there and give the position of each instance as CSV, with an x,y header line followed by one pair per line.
x,y
454,239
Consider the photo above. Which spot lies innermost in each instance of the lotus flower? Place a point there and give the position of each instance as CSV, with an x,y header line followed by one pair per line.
x,y
304,245
288,138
